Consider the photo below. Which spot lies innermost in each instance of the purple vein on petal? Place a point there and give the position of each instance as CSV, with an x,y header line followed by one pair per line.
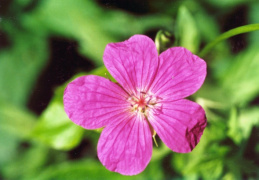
x,y
133,85
160,67
115,92
164,130
111,112
130,130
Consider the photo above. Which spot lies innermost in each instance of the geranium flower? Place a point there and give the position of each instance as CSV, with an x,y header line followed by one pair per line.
x,y
147,99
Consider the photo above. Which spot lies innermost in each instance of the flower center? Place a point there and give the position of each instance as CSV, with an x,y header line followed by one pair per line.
x,y
142,103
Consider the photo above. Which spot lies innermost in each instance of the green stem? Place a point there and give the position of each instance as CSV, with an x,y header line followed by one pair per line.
x,y
228,34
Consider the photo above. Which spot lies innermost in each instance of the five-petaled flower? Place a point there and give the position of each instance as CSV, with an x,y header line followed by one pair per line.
x,y
147,99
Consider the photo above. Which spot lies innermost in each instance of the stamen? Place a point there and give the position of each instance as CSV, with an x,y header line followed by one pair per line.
x,y
154,138
153,133
105,74
142,102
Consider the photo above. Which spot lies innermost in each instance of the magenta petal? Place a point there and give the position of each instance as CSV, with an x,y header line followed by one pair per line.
x,y
180,74
91,101
133,63
125,146
180,125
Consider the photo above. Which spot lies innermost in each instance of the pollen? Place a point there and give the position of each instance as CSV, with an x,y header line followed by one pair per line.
x,y
142,103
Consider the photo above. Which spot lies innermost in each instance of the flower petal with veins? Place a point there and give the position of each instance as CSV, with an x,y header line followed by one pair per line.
x,y
180,74
180,125
133,63
92,101
125,146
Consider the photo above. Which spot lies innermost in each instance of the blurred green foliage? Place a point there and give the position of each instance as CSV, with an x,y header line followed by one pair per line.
x,y
186,30
50,146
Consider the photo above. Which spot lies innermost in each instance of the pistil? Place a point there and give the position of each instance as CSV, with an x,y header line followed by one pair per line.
x,y
143,104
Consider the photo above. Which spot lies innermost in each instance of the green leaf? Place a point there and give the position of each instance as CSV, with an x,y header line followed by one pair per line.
x,y
56,129
160,152
91,25
247,119
88,169
15,120
8,147
207,25
28,160
209,30
186,30
238,166
241,125
20,4
207,164
233,127
91,169
20,64
241,82
228,34
73,19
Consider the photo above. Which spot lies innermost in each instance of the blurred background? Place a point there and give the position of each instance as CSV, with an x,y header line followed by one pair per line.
x,y
44,44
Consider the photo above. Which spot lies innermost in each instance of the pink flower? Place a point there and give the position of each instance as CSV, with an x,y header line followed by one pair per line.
x,y
147,99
